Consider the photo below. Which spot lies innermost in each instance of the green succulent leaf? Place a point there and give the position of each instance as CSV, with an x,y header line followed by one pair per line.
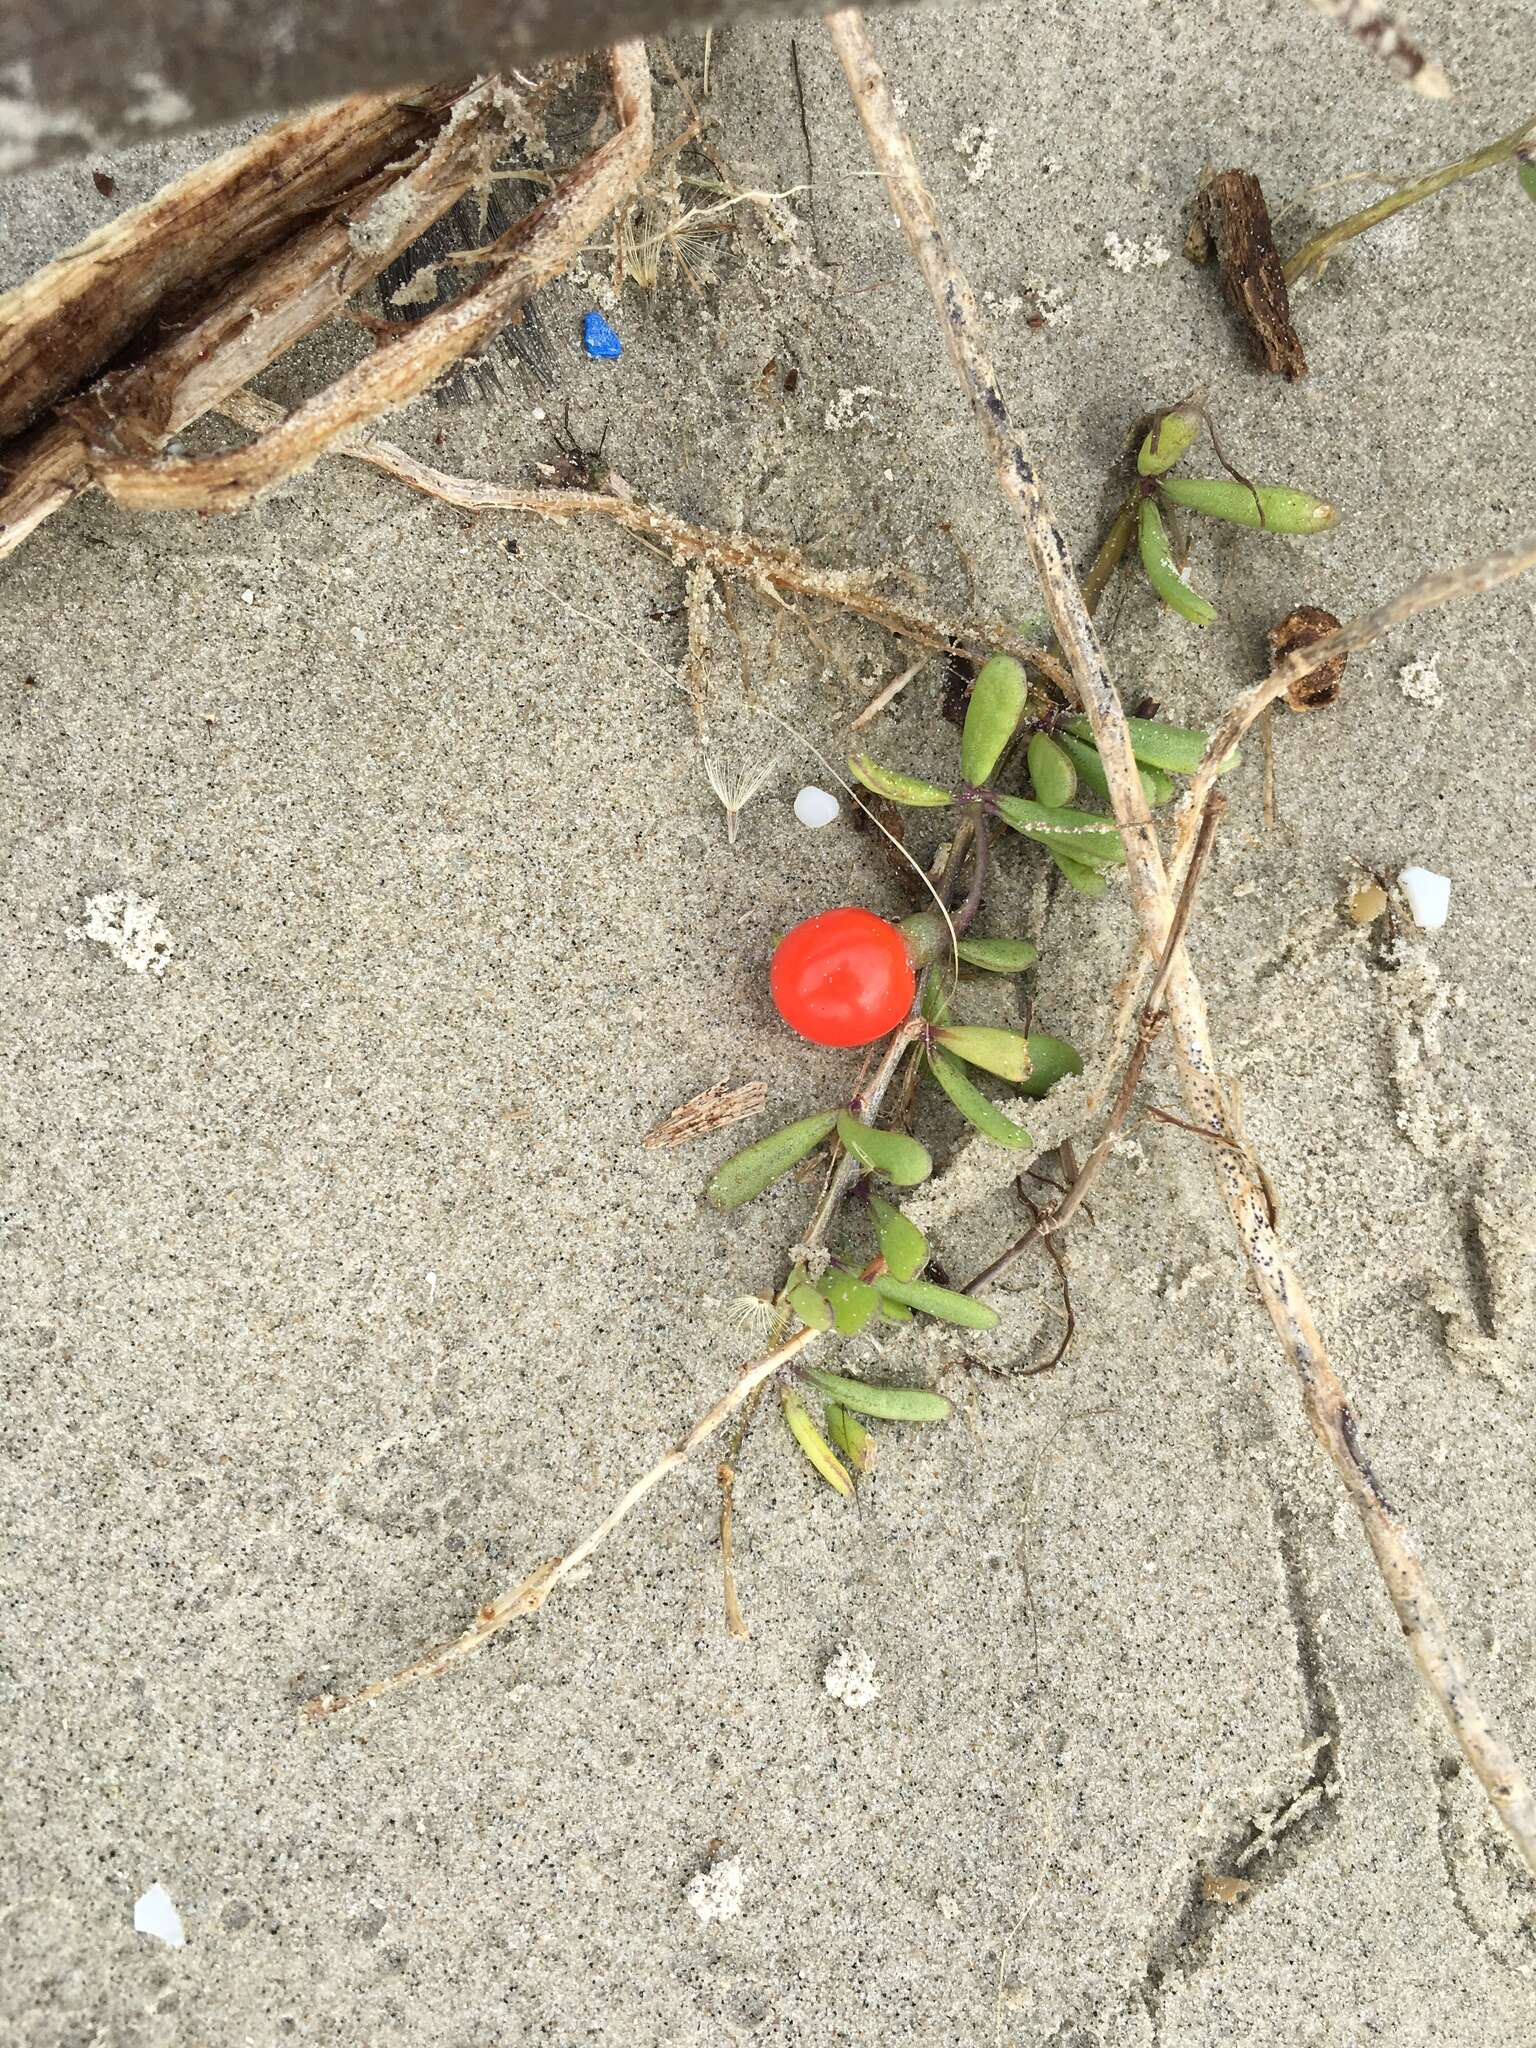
x,y
1274,507
1163,573
1170,439
893,1404
811,1306
1177,749
1078,834
1085,759
853,1300
849,1436
999,956
1004,1053
1525,171
998,697
899,789
941,1302
902,1245
1052,771
978,1110
1051,1060
900,1158
1085,880
934,1007
748,1172
814,1444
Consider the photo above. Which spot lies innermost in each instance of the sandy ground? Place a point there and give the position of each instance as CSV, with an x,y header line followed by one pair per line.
x,y
339,1289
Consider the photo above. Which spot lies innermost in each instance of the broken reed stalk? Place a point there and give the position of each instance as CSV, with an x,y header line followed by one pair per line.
x,y
539,246
1327,1409
757,561
213,350
529,1595
62,324
1313,255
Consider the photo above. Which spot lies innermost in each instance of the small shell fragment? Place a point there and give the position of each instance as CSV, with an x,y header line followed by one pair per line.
x,y
816,807
154,1913
1429,897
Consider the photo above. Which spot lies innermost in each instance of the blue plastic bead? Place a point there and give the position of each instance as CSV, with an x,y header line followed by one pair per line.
x,y
599,339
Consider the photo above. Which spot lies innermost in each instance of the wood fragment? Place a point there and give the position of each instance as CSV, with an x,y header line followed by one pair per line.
x,y
1231,218
244,324
715,1109
61,325
537,248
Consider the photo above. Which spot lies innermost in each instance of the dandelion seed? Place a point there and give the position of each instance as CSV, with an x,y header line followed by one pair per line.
x,y
752,1318
736,787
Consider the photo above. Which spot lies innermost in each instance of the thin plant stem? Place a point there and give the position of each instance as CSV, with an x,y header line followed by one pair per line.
x,y
1314,255
1327,1409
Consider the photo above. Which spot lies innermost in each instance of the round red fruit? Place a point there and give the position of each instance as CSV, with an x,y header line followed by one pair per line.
x,y
843,978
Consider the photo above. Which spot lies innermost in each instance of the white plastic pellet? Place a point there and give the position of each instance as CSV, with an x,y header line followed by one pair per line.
x,y
816,807
1429,896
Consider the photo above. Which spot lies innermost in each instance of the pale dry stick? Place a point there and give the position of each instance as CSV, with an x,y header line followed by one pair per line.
x,y
1328,1411
883,697
529,1595
249,321
1058,1217
757,561
1379,30
536,248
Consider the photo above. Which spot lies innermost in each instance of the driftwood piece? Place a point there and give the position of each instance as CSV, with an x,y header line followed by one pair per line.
x,y
1231,218
246,323
62,325
538,247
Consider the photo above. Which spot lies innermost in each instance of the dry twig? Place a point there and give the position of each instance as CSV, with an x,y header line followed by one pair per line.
x,y
1324,1402
764,564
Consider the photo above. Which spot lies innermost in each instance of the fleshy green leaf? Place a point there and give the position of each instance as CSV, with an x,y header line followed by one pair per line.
x,y
899,789
1175,748
934,1007
941,1302
1525,170
1171,438
1278,509
900,1158
849,1436
1051,770
1005,1053
998,697
1078,834
999,956
748,1172
902,1245
977,1109
811,1306
894,1404
1085,759
1163,573
814,1444
1085,880
1051,1059
853,1300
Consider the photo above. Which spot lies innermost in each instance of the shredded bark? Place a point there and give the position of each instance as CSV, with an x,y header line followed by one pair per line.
x,y
1231,218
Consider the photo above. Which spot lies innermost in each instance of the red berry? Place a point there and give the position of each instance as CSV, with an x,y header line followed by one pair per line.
x,y
843,978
